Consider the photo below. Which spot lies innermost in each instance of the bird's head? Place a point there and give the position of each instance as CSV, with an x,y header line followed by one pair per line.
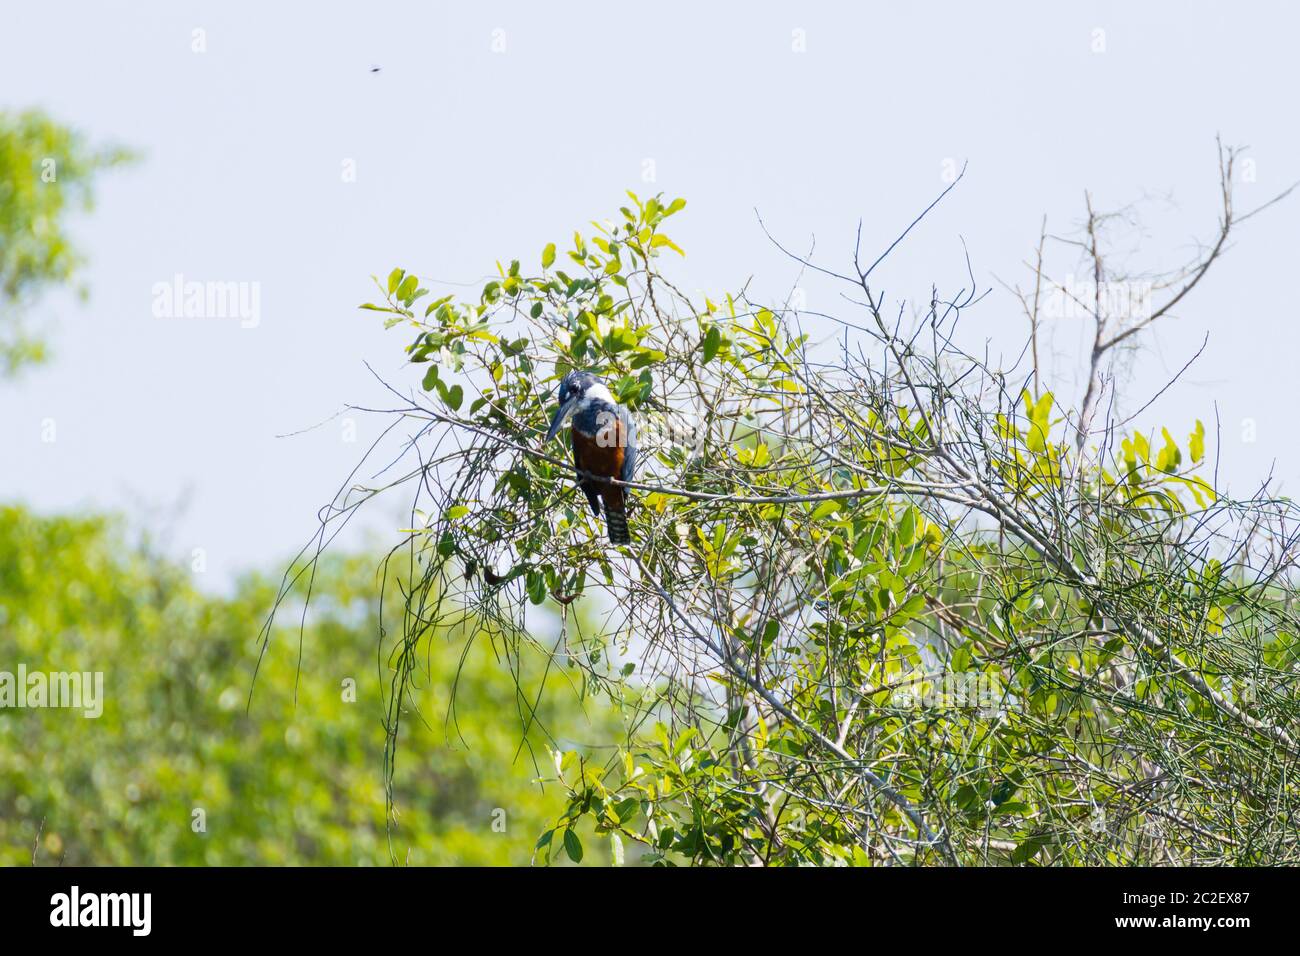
x,y
577,389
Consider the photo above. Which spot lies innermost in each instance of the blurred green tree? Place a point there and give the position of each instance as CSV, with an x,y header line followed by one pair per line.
x,y
278,783
46,171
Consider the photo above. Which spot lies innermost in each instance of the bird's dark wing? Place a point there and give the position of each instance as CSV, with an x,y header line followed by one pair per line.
x,y
629,450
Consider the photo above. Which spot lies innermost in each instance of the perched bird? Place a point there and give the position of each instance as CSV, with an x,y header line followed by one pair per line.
x,y
604,444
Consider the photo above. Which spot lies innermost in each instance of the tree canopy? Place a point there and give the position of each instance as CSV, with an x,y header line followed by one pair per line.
x,y
887,601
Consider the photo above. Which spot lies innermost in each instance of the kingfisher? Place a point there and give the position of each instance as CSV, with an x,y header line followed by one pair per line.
x,y
604,444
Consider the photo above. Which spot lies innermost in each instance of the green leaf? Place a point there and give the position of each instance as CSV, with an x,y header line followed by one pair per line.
x,y
907,528
646,357
536,587
1040,421
712,340
407,289
826,508
395,279
1043,410
1169,457
913,606
548,255
1027,850
620,339
573,846
662,240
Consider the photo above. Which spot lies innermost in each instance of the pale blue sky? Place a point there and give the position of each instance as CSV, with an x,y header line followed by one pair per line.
x,y
465,155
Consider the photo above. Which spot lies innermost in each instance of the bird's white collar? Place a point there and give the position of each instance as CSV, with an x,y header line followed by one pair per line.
x,y
597,393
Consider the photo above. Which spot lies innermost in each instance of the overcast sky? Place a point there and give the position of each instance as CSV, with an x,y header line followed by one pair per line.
x,y
493,128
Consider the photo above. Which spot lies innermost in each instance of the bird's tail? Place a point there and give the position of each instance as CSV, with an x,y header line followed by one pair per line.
x,y
616,523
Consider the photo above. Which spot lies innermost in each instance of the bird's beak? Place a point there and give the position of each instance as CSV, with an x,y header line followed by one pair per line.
x,y
561,413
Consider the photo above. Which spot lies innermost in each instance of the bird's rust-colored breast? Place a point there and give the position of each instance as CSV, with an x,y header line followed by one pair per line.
x,y
602,453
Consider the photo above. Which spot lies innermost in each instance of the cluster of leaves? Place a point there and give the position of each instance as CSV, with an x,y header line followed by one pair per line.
x,y
584,318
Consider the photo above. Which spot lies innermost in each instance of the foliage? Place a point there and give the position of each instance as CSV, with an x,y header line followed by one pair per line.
x,y
883,604
280,783
46,171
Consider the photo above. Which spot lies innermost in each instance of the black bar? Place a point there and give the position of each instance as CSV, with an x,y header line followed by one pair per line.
x,y
216,906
